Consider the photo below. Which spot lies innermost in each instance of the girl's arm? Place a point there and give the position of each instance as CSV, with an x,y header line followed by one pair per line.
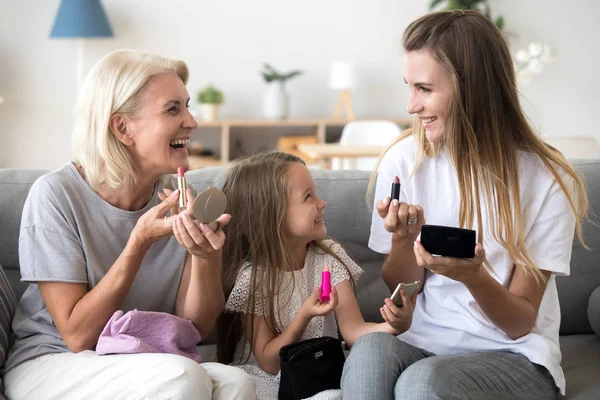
x,y
514,310
267,345
350,320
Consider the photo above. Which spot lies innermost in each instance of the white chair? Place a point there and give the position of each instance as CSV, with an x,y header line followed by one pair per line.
x,y
365,133
575,147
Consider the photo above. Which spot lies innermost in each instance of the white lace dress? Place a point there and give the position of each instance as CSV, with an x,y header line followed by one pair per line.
x,y
290,300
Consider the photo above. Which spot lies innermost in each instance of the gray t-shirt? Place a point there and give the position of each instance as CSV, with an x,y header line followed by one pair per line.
x,y
70,234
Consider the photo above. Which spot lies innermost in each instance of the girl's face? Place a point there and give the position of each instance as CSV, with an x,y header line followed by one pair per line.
x,y
430,92
161,132
304,214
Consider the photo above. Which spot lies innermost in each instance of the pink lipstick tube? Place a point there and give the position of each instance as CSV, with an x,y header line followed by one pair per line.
x,y
325,284
182,186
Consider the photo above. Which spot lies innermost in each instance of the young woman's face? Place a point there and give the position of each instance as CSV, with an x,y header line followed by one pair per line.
x,y
161,132
430,92
304,214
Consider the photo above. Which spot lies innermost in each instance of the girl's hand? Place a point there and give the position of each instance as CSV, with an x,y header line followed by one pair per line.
x,y
402,219
464,270
195,236
314,307
399,318
154,225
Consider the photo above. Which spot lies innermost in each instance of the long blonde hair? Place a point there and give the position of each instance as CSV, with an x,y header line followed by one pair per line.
x,y
486,128
257,189
114,86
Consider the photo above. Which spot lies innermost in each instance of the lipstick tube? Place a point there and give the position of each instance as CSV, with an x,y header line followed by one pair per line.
x,y
395,195
325,284
182,186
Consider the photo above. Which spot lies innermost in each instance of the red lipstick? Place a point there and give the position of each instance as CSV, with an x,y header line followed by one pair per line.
x,y
182,186
395,189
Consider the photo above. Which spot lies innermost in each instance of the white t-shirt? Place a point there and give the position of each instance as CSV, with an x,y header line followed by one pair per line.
x,y
447,319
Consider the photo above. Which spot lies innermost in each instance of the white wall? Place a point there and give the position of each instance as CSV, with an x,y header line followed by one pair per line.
x,y
225,42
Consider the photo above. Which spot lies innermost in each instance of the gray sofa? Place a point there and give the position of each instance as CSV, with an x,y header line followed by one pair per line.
x,y
348,220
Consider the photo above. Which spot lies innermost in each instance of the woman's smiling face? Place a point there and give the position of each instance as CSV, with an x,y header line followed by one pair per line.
x,y
161,131
430,92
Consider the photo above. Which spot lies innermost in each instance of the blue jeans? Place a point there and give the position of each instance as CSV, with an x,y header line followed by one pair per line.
x,y
381,366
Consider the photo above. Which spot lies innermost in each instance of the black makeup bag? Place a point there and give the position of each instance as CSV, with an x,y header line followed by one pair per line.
x,y
309,367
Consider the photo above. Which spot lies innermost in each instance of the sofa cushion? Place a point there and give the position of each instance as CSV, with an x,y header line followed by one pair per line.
x,y
574,291
8,305
580,364
594,310
14,188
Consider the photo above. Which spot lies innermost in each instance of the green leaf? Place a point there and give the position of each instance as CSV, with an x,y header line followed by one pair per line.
x,y
267,77
500,22
434,3
455,5
291,75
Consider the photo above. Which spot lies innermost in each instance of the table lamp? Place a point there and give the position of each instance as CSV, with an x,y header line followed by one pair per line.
x,y
341,77
80,19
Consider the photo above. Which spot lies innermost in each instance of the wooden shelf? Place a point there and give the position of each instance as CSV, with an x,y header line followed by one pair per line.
x,y
197,162
319,125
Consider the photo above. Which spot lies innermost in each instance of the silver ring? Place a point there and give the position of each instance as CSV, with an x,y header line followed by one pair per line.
x,y
412,221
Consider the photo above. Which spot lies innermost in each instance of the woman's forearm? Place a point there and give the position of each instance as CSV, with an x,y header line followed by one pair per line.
x,y
204,299
91,313
515,315
401,265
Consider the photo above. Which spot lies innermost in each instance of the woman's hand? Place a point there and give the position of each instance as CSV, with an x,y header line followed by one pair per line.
x,y
167,192
314,307
460,269
195,236
154,225
399,318
402,219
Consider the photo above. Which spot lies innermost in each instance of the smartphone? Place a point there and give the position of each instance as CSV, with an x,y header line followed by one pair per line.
x,y
448,241
409,288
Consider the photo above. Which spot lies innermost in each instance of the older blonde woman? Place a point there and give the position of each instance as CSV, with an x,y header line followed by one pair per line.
x,y
95,239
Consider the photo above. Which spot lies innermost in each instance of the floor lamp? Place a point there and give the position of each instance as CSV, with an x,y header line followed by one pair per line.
x,y
80,19
341,77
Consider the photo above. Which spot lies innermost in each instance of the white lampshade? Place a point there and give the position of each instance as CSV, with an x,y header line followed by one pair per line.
x,y
341,76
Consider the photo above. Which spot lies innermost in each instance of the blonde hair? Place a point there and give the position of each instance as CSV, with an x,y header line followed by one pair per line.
x,y
115,85
486,128
257,189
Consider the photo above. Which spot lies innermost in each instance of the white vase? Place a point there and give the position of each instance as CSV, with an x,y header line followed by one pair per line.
x,y
210,112
276,105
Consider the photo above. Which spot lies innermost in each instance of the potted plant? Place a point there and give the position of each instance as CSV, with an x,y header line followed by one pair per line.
x,y
210,98
480,5
276,105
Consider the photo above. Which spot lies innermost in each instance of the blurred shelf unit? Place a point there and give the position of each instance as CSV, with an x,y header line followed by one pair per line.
x,y
320,128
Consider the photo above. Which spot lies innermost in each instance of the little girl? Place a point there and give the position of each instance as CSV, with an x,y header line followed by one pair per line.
x,y
273,259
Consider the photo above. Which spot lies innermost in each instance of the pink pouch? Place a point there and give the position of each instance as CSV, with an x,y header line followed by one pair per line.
x,y
149,332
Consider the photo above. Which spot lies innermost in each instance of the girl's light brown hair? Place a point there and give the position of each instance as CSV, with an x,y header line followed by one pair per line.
x,y
486,128
257,189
